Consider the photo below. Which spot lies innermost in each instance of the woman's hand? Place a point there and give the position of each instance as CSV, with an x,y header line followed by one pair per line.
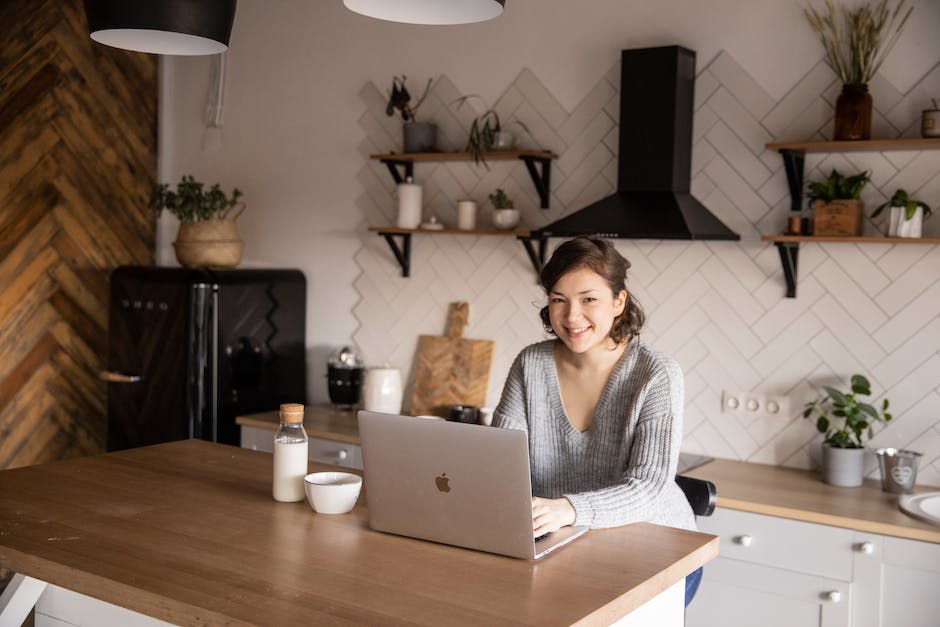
x,y
551,515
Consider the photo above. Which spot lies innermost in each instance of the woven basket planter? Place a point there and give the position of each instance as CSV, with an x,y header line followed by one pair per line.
x,y
209,244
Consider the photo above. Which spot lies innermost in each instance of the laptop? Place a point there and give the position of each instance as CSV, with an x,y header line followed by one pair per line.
x,y
454,483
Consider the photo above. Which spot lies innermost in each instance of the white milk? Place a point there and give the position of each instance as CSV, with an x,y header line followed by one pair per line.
x,y
290,467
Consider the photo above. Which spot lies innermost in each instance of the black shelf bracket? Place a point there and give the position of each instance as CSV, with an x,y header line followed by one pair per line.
x,y
541,178
394,164
403,253
793,161
537,257
789,254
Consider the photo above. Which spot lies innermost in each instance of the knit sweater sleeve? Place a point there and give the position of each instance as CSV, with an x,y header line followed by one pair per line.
x,y
652,458
510,413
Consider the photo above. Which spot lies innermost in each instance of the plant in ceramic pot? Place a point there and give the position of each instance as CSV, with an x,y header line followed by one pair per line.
x,y
486,133
208,235
855,47
504,215
846,422
837,203
417,136
906,218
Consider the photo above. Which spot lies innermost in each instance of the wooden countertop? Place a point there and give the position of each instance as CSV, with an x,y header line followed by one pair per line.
x,y
187,532
802,495
320,421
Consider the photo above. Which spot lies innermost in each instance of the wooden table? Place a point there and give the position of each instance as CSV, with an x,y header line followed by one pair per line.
x,y
187,532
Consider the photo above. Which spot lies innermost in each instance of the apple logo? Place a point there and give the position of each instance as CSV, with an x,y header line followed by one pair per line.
x,y
443,482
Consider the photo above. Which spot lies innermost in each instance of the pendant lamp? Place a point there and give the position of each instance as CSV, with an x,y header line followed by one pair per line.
x,y
178,27
429,11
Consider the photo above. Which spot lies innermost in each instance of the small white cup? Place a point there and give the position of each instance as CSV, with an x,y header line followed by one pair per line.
x,y
466,214
486,416
332,492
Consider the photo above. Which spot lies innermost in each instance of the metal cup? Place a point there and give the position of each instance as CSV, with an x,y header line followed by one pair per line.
x,y
898,469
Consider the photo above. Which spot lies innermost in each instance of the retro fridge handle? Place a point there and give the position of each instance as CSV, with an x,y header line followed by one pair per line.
x,y
119,377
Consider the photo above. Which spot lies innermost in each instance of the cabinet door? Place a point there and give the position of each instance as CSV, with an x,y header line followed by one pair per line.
x,y
734,593
898,582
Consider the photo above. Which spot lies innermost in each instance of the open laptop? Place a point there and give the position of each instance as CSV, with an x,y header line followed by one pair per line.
x,y
454,483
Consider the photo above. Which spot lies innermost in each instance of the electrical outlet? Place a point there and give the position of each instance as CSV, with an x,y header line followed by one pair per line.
x,y
754,404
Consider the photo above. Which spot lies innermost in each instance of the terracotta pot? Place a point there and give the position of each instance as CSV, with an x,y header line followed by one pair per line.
x,y
853,113
209,243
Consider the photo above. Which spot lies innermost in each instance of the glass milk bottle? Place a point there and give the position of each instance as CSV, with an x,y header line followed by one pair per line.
x,y
290,455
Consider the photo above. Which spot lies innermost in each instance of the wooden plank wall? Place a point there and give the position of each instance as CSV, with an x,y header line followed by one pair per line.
x,y
78,155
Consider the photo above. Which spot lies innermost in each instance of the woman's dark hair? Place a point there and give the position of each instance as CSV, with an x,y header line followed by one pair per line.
x,y
600,256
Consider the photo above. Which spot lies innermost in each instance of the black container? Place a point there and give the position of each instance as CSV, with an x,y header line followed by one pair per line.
x,y
464,413
344,385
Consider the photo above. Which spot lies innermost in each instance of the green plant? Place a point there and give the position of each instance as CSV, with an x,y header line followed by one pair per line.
x,y
844,419
500,200
400,99
901,199
857,49
483,130
838,187
191,202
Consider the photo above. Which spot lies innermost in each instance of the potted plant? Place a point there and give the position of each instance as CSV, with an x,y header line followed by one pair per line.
x,y
417,136
855,49
486,133
846,422
505,217
906,218
837,205
208,236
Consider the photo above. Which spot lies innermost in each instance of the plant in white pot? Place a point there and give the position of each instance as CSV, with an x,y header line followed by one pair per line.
x,y
208,235
505,217
416,136
487,133
846,422
906,218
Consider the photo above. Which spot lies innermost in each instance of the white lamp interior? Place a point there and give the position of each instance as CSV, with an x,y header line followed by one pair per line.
x,y
158,41
428,11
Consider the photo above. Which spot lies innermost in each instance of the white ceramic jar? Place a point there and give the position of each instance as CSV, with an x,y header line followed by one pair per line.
x,y
382,390
466,214
409,204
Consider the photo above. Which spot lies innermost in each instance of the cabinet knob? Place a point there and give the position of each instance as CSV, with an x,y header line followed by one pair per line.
x,y
833,596
342,454
744,540
866,547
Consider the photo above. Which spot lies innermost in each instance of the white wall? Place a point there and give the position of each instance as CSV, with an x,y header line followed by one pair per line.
x,y
294,140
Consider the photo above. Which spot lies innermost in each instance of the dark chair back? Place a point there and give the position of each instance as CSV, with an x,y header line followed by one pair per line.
x,y
702,494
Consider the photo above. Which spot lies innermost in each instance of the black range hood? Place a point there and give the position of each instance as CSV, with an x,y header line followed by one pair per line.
x,y
655,158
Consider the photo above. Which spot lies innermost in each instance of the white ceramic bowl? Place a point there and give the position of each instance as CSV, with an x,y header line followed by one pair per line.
x,y
332,492
505,218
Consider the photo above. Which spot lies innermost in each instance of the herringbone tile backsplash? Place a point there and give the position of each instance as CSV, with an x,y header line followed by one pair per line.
x,y
718,307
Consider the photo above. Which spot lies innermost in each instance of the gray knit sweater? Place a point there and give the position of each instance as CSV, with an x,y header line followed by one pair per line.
x,y
622,469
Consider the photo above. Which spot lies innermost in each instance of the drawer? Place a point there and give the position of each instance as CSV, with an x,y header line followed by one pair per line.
x,y
798,546
332,452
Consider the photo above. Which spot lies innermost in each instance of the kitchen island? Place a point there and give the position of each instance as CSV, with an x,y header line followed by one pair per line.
x,y
187,532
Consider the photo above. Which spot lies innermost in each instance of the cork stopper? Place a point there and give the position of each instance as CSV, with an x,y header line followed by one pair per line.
x,y
292,412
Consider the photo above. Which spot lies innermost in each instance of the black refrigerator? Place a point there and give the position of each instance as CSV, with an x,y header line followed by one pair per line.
x,y
189,350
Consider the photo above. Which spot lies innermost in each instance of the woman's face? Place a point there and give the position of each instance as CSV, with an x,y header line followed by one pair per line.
x,y
581,309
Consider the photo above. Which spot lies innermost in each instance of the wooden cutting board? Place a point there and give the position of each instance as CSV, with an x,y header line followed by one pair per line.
x,y
451,369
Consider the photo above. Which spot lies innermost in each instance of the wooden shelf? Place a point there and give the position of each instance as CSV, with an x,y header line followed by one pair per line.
x,y
495,155
789,248
537,162
867,239
534,247
398,231
870,145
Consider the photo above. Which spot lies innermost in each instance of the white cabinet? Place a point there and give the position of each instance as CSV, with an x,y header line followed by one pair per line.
x,y
318,449
773,571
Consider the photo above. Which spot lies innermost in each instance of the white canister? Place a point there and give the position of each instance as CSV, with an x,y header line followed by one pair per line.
x,y
466,214
382,391
409,204
900,226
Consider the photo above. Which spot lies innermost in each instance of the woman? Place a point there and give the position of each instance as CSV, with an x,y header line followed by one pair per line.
x,y
602,410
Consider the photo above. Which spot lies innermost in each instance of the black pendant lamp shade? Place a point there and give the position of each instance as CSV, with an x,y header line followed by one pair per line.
x,y
429,11
178,27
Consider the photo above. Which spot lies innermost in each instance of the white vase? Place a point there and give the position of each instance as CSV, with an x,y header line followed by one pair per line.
x,y
899,227
843,467
382,391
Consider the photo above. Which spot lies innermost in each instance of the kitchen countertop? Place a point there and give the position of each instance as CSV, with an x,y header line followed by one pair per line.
x,y
320,421
802,495
187,532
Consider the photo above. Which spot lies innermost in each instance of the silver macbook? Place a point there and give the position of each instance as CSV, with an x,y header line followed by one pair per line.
x,y
454,483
